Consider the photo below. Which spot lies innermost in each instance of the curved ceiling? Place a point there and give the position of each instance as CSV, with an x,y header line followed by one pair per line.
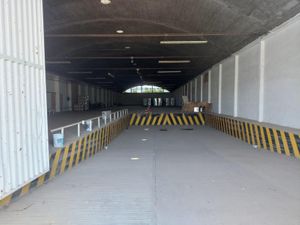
x,y
81,39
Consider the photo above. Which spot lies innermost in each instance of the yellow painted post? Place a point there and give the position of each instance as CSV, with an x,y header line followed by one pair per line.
x,y
64,159
173,119
201,118
72,155
294,145
270,139
263,137
197,121
137,120
239,129
160,119
55,164
102,138
41,180
179,120
132,119
252,134
143,121
6,200
243,131
277,143
247,133
78,152
89,145
84,148
285,144
185,120
25,190
257,136
149,119
191,120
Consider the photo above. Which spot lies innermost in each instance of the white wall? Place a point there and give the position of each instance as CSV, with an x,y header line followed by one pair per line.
x,y
282,76
261,81
62,88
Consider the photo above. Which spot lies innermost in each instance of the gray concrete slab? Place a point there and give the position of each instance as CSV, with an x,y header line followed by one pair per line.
x,y
182,177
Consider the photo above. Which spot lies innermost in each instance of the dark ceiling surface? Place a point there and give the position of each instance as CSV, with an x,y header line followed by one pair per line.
x,y
82,43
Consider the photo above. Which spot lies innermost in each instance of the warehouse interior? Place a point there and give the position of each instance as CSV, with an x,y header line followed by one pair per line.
x,y
191,106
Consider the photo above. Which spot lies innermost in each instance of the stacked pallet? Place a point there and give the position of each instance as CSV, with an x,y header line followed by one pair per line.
x,y
83,104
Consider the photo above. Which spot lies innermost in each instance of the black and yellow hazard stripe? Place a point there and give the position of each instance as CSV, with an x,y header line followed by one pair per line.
x,y
271,139
167,119
71,155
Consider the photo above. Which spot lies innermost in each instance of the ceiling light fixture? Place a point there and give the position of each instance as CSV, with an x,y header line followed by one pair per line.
x,y
135,158
80,72
111,75
127,47
169,71
173,61
105,2
183,42
120,31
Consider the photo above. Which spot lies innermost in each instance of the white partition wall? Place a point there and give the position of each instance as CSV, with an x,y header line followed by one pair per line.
x,y
24,154
261,81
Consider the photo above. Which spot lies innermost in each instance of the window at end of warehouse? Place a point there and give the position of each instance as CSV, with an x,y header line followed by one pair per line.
x,y
146,89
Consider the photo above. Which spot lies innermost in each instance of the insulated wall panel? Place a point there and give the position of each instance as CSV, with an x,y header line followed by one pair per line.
x,y
24,154
248,83
215,88
227,94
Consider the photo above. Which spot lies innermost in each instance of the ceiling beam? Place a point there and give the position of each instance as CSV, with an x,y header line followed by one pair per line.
x,y
165,35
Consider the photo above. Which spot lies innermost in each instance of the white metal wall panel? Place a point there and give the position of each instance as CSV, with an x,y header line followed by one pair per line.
x,y
24,151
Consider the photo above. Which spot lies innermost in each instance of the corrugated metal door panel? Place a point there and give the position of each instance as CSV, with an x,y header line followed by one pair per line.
x,y
24,153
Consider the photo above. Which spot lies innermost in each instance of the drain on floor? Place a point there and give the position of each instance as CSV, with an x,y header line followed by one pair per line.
x,y
187,129
163,129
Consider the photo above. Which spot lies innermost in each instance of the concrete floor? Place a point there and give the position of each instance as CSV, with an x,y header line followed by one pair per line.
x,y
199,177
61,119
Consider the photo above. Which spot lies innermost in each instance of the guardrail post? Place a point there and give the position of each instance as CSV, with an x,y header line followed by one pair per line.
x,y
78,129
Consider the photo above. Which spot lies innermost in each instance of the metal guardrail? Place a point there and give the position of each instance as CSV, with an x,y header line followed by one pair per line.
x,y
112,117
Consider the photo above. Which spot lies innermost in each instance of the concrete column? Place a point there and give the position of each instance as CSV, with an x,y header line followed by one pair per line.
x,y
69,85
196,91
202,77
236,85
209,86
262,80
57,95
79,90
220,87
191,91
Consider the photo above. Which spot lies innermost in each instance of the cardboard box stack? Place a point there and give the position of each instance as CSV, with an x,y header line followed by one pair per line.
x,y
188,106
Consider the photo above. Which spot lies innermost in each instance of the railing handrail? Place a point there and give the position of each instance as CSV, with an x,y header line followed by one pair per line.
x,y
121,113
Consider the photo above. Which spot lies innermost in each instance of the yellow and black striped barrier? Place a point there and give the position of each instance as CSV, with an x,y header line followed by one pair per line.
x,y
71,155
271,139
163,119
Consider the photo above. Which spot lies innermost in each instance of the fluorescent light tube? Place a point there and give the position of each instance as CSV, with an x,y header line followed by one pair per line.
x,y
182,42
169,71
173,61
